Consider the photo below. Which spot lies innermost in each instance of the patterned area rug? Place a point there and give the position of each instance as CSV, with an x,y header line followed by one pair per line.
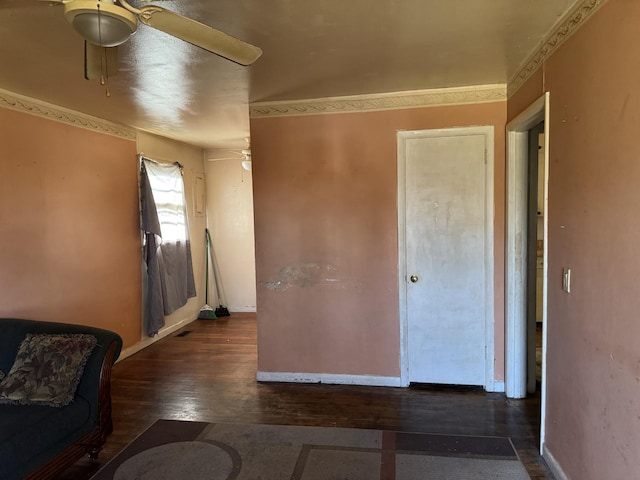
x,y
171,450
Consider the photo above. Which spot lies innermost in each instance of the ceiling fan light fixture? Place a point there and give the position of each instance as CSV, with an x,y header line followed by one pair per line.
x,y
101,23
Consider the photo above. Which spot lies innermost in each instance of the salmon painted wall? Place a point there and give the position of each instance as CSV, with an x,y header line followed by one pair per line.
x,y
325,191
593,397
528,93
69,241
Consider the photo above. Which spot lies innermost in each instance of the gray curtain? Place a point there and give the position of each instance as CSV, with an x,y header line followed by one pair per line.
x,y
167,248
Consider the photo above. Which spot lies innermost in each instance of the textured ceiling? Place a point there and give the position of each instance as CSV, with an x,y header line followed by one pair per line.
x,y
324,48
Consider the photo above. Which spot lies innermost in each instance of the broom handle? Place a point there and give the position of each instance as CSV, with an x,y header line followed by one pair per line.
x,y
206,267
221,301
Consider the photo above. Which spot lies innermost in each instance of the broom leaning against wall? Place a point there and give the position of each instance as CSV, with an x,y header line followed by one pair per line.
x,y
221,310
207,312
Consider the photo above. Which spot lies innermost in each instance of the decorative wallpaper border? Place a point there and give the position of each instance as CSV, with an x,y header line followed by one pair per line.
x,y
385,101
576,16
579,14
39,108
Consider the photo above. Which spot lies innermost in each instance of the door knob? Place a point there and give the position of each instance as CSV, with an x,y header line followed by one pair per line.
x,y
413,278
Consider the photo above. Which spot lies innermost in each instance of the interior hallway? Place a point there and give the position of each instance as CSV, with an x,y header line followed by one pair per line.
x,y
206,372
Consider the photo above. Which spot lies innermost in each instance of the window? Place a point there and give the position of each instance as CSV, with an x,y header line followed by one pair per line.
x,y
169,281
168,195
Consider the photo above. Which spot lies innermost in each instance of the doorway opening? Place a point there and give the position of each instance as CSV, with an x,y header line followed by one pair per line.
x,y
535,260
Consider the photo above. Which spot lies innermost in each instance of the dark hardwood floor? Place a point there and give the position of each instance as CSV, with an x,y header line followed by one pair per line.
x,y
206,372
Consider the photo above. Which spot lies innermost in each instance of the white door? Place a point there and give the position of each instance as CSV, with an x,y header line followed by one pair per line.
x,y
446,253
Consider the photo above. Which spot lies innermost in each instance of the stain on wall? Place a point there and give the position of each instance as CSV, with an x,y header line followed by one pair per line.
x,y
304,275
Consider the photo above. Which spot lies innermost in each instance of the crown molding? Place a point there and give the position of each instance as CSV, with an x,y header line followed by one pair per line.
x,y
384,101
566,27
42,109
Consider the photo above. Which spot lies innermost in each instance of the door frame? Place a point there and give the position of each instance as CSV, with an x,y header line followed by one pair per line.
x,y
516,212
491,385
515,294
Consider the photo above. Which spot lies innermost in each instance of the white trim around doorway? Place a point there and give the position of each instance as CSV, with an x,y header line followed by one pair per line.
x,y
516,261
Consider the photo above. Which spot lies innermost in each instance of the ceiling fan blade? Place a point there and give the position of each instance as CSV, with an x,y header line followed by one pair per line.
x,y
199,34
99,62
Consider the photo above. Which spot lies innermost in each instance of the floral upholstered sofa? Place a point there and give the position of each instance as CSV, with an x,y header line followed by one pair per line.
x,y
55,395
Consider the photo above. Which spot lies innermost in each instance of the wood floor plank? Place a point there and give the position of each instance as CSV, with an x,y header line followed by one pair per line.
x,y
207,372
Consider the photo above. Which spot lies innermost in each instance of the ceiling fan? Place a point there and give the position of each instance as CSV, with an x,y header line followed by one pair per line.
x,y
109,23
244,155
228,154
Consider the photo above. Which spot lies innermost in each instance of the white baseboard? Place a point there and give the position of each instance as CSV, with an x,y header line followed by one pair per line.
x,y
146,341
338,379
243,309
496,386
367,380
553,464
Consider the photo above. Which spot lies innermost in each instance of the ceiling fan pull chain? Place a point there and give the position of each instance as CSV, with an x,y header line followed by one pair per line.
x,y
104,67
106,70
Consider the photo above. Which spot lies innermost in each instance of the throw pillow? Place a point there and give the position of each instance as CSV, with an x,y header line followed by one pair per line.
x,y
47,369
